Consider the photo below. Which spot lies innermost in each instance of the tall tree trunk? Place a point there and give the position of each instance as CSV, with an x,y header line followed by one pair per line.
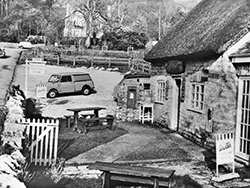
x,y
1,9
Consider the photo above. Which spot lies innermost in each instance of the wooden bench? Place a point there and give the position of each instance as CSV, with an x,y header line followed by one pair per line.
x,y
133,174
96,123
68,119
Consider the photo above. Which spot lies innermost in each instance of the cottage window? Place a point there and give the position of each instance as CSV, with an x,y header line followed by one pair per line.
x,y
161,91
197,97
146,87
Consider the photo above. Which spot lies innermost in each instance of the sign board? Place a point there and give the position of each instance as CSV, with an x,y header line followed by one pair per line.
x,y
174,67
224,149
41,91
36,68
37,59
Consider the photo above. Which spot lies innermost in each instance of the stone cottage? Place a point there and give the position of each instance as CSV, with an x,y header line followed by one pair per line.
x,y
131,91
198,85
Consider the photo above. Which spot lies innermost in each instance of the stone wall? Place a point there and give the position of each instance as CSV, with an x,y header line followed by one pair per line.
x,y
12,160
220,83
219,96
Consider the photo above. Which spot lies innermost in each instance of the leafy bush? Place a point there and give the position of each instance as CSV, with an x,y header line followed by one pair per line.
x,y
121,40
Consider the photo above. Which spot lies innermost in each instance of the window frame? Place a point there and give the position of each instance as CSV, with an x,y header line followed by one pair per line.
x,y
67,81
160,92
197,97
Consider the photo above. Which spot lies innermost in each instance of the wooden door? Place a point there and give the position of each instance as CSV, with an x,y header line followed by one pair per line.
x,y
243,119
175,106
131,97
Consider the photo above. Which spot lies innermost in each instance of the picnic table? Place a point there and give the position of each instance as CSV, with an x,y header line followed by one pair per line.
x,y
77,110
133,174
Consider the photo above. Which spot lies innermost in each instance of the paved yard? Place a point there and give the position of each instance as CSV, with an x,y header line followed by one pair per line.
x,y
104,84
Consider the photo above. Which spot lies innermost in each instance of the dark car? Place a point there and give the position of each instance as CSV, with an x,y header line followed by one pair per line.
x,y
2,52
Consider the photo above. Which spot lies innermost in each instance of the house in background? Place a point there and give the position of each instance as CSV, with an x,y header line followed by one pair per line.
x,y
200,80
76,26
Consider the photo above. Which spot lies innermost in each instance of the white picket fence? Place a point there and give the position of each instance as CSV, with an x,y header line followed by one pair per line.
x,y
43,137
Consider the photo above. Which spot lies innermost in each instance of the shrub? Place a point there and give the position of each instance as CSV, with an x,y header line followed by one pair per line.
x,y
121,40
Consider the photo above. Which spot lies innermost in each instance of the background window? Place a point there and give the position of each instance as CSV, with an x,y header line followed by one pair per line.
x,y
197,97
161,91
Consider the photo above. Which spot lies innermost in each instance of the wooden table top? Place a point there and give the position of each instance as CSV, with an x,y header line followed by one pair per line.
x,y
85,109
132,170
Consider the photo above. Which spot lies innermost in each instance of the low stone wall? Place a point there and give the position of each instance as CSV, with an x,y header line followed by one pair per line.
x,y
127,114
12,160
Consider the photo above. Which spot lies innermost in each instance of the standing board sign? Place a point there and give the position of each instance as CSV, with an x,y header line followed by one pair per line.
x,y
41,91
225,150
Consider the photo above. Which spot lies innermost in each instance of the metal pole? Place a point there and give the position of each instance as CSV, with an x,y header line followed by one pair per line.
x,y
26,77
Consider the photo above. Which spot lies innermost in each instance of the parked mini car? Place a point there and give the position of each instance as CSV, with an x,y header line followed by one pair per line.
x,y
25,45
2,52
69,82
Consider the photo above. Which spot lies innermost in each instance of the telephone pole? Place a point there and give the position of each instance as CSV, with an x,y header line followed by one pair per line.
x,y
159,19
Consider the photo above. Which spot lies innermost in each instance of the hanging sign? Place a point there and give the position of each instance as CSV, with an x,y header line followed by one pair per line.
x,y
174,67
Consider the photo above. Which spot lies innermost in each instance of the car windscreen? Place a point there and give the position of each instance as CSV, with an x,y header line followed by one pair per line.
x,y
81,77
54,78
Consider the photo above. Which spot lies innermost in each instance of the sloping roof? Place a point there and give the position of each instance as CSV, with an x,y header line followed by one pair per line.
x,y
137,75
209,29
243,51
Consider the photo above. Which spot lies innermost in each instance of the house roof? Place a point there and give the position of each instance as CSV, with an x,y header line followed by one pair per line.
x,y
243,51
137,75
209,29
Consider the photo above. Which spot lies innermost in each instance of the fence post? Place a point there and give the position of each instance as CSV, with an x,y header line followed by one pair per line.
x,y
109,63
58,59
74,61
130,63
92,62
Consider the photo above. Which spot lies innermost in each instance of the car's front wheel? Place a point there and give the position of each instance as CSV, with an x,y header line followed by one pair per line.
x,y
52,93
86,90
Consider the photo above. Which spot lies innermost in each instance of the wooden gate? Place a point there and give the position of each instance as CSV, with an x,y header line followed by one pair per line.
x,y
43,138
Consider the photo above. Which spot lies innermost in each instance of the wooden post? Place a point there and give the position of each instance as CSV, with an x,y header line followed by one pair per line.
x,y
26,78
106,180
130,63
92,62
74,61
109,63
75,120
156,183
58,60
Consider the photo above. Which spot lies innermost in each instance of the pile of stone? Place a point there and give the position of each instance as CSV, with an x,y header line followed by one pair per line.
x,y
127,114
12,168
12,161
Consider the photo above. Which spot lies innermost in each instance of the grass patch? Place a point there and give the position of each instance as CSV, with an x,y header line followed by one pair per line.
x,y
80,143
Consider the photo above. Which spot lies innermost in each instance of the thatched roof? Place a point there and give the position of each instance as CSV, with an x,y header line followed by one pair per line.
x,y
208,30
